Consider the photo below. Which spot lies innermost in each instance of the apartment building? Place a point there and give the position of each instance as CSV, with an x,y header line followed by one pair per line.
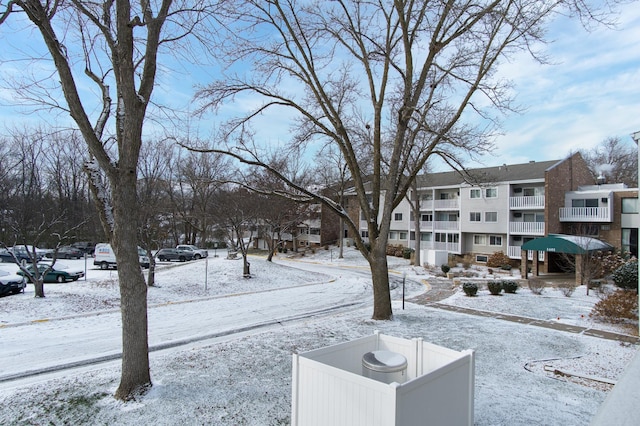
x,y
500,208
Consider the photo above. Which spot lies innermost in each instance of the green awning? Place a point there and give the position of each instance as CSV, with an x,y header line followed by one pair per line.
x,y
571,244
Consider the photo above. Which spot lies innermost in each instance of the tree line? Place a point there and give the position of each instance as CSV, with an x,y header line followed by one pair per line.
x,y
185,197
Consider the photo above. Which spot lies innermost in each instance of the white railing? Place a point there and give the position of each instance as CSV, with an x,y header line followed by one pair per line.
x,y
426,226
528,202
446,225
447,204
526,228
585,214
515,252
435,245
426,204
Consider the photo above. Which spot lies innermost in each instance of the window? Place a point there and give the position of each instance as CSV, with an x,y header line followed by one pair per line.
x,y
495,240
530,192
364,234
629,205
397,216
425,237
475,217
403,235
589,202
426,217
393,235
491,216
630,240
491,192
480,240
475,193
533,217
481,258
314,231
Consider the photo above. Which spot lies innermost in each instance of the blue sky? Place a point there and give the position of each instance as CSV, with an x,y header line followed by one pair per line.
x,y
589,92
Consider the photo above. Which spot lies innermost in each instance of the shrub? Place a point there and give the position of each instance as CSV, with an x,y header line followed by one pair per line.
x,y
506,267
407,252
509,286
618,307
567,288
495,287
470,289
445,268
536,285
466,262
497,259
626,276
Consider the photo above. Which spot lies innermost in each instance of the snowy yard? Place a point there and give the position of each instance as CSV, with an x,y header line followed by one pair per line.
x,y
245,379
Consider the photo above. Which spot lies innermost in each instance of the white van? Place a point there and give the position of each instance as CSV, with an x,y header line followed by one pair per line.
x,y
105,258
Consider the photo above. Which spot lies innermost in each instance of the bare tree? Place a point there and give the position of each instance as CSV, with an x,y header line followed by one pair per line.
x,y
615,160
395,77
114,46
155,206
238,213
195,181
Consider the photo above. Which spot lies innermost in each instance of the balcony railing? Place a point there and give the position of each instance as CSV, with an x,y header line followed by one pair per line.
x,y
585,214
426,225
515,252
528,202
443,225
526,228
435,245
453,204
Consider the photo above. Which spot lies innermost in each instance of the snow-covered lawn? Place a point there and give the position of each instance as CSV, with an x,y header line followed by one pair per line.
x,y
246,379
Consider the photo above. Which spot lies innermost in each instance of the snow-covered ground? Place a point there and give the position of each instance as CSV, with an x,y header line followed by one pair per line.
x,y
245,378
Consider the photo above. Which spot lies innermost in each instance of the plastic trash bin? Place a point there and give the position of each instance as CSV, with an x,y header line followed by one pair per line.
x,y
385,366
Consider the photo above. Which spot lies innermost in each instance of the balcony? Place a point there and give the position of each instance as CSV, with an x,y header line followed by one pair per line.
x,y
453,204
528,202
436,245
526,228
426,225
585,214
515,252
443,225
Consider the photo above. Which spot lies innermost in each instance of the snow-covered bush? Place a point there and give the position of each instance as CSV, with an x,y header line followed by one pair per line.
x,y
509,286
470,289
498,260
626,276
618,307
495,287
536,285
567,288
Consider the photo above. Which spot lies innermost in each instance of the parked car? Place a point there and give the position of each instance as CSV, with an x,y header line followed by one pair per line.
x,y
11,283
198,253
105,258
59,273
85,247
67,252
21,255
167,254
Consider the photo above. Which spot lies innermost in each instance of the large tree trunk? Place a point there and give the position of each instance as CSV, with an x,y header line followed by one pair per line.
x,y
133,290
38,286
380,275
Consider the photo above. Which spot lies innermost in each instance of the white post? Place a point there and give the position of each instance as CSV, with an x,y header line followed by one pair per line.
x,y
636,138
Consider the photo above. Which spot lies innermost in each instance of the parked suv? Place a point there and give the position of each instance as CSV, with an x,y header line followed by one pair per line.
x,y
198,253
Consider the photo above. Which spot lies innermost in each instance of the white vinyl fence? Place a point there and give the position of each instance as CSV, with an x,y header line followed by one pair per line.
x,y
328,387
